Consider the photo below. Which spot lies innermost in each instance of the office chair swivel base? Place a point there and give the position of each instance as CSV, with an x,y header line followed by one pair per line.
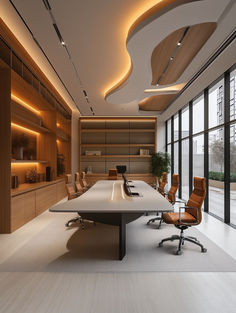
x,y
182,239
74,220
158,218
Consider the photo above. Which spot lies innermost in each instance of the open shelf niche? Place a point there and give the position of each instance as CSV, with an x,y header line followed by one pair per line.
x,y
118,141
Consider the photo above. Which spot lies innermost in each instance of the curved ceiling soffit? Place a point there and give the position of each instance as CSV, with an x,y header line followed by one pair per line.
x,y
154,12
142,43
172,56
156,103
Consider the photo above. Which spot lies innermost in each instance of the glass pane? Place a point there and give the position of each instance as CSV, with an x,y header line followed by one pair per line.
x,y
198,115
233,95
176,157
233,175
169,131
169,174
216,172
16,64
176,127
185,122
198,156
4,52
216,104
185,169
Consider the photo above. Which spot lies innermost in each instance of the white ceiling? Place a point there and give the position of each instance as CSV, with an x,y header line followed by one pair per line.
x,y
95,33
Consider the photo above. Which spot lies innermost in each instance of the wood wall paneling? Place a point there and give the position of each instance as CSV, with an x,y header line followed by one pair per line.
x,y
23,54
5,151
195,38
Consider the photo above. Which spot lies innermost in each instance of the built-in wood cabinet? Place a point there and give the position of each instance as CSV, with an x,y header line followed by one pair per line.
x,y
32,107
118,141
26,203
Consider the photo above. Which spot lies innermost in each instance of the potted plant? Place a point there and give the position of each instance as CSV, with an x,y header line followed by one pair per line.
x,y
60,164
160,162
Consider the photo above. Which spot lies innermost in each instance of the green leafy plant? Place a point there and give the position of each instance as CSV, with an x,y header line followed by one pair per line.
x,y
221,176
60,164
160,162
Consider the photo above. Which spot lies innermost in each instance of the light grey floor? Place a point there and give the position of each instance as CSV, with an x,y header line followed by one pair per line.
x,y
41,292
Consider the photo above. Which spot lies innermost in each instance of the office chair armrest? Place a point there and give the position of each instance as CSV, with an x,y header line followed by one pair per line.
x,y
188,207
78,193
181,201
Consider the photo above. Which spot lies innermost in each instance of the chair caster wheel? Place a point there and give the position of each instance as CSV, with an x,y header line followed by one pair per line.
x,y
160,244
178,252
204,250
67,225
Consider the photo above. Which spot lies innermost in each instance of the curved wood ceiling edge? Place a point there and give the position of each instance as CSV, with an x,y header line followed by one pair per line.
x,y
156,11
169,61
156,103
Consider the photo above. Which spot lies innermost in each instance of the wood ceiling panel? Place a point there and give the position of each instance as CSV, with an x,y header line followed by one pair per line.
x,y
156,103
193,41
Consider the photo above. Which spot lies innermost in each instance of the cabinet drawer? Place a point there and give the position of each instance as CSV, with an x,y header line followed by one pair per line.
x,y
45,198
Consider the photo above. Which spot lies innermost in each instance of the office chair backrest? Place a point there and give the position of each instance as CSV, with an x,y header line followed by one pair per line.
x,y
83,180
70,191
162,185
197,197
112,174
76,176
78,187
173,189
68,178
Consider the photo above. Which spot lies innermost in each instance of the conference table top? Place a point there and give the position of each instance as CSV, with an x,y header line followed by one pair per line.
x,y
108,196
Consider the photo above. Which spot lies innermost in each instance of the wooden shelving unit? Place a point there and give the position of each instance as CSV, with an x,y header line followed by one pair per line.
x,y
119,140
28,161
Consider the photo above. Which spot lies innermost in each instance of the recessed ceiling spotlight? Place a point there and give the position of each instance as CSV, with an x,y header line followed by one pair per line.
x,y
157,85
171,58
63,43
179,44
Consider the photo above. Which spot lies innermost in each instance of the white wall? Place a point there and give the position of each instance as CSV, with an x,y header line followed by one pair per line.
x,y
160,135
74,143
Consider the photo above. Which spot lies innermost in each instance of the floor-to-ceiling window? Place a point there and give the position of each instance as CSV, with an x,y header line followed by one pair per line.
x,y
185,152
233,147
216,149
169,128
203,143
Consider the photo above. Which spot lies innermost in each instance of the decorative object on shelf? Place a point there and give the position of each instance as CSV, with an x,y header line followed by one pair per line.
x,y
48,173
89,170
60,164
93,152
14,181
144,151
31,176
19,143
160,162
40,177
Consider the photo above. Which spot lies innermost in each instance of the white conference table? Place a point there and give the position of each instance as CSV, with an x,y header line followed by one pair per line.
x,y
107,202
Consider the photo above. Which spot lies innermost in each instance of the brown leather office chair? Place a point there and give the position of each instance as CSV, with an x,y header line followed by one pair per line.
x,y
163,183
72,194
83,181
78,186
112,175
171,197
191,216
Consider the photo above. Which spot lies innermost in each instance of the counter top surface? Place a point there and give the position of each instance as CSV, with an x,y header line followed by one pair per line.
x,y
26,187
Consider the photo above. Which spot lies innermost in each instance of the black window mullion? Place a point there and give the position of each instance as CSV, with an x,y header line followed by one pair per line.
x,y
190,147
206,147
180,156
227,147
172,147
166,132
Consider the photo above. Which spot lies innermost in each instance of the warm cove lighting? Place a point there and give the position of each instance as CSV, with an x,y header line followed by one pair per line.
x,y
24,163
24,129
24,104
130,23
58,124
170,89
